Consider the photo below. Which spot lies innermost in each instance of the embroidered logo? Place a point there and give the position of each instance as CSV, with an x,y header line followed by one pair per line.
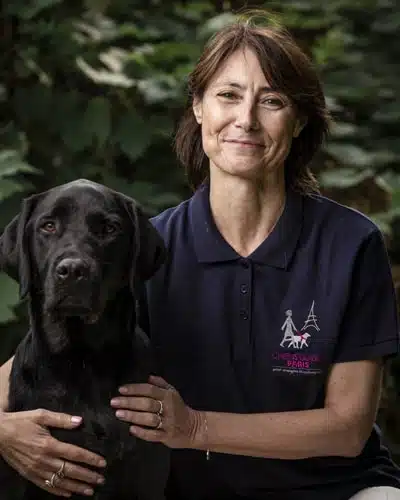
x,y
287,361
298,338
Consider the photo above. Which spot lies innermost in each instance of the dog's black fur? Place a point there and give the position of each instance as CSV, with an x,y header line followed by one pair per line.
x,y
79,251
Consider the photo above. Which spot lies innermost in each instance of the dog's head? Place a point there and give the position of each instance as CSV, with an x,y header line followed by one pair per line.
x,y
77,245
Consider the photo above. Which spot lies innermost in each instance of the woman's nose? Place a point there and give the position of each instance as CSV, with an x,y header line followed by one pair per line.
x,y
247,116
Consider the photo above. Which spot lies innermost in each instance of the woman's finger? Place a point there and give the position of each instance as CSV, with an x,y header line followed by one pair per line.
x,y
160,382
54,491
145,390
49,418
137,403
73,453
74,471
139,418
49,465
36,479
157,436
65,484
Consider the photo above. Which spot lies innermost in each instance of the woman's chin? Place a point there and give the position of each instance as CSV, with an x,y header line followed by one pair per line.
x,y
254,170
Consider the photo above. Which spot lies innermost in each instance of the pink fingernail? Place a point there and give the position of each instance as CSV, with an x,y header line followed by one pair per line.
x,y
76,420
123,390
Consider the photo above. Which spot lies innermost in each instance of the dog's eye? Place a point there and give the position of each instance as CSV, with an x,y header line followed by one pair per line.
x,y
48,227
109,228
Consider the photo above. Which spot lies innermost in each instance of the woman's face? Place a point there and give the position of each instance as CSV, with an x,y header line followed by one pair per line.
x,y
247,126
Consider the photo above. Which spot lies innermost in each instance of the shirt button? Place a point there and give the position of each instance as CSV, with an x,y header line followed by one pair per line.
x,y
243,288
244,314
245,263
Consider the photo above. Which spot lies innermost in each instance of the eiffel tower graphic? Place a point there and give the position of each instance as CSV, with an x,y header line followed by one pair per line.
x,y
311,320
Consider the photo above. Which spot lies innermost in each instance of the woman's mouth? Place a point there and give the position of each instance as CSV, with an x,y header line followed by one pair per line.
x,y
245,143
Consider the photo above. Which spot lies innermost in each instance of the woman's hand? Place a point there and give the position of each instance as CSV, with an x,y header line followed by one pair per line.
x,y
158,413
26,444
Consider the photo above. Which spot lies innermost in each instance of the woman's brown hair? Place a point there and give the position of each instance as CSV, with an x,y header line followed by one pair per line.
x,y
287,68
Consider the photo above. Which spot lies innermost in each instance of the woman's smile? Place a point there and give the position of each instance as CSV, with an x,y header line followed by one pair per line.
x,y
243,143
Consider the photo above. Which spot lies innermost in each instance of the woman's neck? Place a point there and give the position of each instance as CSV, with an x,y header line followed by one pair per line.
x,y
245,211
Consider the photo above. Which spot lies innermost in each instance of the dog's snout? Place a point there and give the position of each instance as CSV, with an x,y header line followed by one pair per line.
x,y
72,269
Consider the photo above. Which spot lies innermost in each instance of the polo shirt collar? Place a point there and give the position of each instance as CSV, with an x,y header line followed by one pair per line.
x,y
276,250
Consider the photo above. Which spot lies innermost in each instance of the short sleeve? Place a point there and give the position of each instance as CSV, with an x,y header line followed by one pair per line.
x,y
369,327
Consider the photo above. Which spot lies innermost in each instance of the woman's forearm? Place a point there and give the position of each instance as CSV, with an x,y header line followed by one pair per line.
x,y
4,383
286,435
341,428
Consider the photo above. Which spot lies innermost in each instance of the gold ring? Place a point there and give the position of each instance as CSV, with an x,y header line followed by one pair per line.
x,y
161,410
50,483
159,423
60,473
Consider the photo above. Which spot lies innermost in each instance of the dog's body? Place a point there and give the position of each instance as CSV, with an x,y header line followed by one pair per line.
x,y
79,251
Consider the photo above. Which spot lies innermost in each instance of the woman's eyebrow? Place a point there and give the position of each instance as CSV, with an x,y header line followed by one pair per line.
x,y
243,87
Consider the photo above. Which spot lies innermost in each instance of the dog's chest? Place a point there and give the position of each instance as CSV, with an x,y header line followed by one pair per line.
x,y
101,431
79,392
136,469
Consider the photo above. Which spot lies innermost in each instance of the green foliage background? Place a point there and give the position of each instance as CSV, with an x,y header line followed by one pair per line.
x,y
94,89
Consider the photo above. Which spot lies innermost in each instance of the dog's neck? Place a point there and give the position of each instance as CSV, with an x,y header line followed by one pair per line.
x,y
74,338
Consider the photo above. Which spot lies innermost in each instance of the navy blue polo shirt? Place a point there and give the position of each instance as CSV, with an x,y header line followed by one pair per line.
x,y
259,334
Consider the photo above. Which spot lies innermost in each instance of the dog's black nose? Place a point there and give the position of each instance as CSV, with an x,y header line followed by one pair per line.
x,y
72,269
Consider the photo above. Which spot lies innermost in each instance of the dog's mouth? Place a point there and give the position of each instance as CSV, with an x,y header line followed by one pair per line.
x,y
87,315
69,307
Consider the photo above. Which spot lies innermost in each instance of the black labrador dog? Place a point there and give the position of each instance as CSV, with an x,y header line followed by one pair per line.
x,y
80,251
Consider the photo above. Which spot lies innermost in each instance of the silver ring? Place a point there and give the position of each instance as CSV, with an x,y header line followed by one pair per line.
x,y
159,426
50,483
60,473
161,410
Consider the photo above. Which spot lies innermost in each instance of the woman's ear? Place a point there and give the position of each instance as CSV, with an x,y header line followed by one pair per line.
x,y
197,109
301,122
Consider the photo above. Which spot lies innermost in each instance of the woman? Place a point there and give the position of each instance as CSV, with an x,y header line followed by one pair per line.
x,y
274,314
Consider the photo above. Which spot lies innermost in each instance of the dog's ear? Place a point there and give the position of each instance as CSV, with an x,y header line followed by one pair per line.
x,y
15,259
149,252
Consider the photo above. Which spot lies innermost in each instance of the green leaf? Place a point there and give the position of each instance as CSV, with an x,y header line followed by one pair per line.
x,y
10,187
215,24
33,8
159,88
146,193
11,163
97,119
97,5
342,130
104,77
133,135
10,207
9,298
349,154
13,138
75,136
343,177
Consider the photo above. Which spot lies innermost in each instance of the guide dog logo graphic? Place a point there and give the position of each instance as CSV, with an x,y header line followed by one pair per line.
x,y
297,339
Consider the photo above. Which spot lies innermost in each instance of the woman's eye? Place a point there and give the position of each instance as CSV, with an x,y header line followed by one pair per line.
x,y
227,95
273,102
48,227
